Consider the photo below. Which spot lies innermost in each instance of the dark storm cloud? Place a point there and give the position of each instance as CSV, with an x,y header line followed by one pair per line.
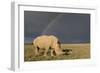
x,y
68,27
35,22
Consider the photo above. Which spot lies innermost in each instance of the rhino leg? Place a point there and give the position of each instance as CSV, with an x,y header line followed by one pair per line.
x,y
52,52
46,51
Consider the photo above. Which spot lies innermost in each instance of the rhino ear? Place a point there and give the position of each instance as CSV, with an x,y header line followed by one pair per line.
x,y
59,43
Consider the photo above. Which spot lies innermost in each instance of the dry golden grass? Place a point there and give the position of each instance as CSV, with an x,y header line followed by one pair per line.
x,y
79,51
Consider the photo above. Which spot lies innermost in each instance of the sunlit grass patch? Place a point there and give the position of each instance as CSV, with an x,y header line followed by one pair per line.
x,y
79,51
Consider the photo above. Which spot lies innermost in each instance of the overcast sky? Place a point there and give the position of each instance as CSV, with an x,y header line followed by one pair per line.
x,y
68,27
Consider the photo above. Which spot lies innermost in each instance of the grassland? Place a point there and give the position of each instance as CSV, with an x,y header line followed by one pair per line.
x,y
79,51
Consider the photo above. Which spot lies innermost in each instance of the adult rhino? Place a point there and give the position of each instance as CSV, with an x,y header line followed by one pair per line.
x,y
46,42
